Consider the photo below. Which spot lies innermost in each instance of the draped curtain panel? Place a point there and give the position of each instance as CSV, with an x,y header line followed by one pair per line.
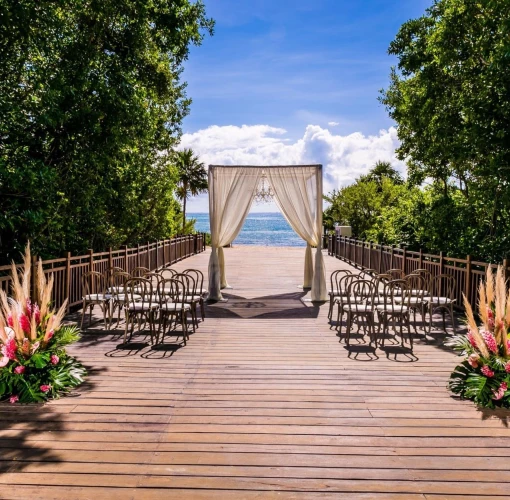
x,y
231,193
298,194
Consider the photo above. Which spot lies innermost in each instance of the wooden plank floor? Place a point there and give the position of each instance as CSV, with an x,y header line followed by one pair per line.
x,y
263,402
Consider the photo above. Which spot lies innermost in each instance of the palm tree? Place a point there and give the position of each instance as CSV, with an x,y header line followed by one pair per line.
x,y
192,178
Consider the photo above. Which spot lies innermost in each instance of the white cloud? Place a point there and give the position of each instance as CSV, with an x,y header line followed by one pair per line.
x,y
344,157
333,124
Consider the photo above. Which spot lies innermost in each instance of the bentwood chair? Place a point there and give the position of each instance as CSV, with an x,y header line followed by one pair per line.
x,y
427,276
442,298
415,297
200,290
139,272
117,289
396,274
174,291
360,305
139,305
396,308
341,300
95,294
335,290
192,297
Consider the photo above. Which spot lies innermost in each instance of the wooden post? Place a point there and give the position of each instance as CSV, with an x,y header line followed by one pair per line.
x,y
362,260
467,283
91,268
126,259
506,262
138,255
157,254
110,258
441,262
421,258
380,257
68,281
370,255
148,257
392,252
404,259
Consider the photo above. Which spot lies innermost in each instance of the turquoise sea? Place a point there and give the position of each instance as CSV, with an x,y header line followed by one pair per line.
x,y
265,229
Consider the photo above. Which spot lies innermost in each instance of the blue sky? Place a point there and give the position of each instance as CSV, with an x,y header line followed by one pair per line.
x,y
291,64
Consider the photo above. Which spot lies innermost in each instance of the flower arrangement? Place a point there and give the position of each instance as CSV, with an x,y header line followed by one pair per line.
x,y
34,365
484,375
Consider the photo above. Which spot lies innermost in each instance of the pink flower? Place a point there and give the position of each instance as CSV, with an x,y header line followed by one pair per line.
x,y
49,336
37,313
473,360
508,344
507,367
490,341
24,322
500,392
490,319
10,322
54,359
10,348
487,371
4,361
45,388
471,339
13,399
19,369
25,347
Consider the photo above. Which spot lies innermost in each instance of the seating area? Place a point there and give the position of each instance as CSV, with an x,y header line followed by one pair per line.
x,y
163,302
390,306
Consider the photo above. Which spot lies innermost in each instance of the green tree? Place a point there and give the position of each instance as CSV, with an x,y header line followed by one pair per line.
x,y
192,178
381,170
450,96
91,102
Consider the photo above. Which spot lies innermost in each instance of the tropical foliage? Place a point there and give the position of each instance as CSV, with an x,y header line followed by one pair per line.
x,y
91,105
484,375
450,96
192,178
34,364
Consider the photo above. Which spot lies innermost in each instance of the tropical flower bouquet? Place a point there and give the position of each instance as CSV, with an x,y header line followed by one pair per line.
x,y
34,365
484,375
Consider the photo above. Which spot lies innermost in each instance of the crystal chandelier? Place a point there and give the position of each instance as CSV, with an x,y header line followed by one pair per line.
x,y
264,192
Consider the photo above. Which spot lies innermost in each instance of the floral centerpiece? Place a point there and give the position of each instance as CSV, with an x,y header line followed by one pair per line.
x,y
484,375
34,365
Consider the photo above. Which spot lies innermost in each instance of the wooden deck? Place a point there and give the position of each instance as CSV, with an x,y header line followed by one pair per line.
x,y
264,402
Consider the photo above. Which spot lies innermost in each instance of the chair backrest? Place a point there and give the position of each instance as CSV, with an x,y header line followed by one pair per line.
x,y
368,274
417,286
189,281
361,294
137,289
108,272
396,294
156,279
139,272
173,290
117,281
381,281
443,285
93,282
427,276
396,274
166,272
199,278
335,278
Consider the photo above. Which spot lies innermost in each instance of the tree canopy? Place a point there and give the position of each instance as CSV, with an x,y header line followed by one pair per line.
x,y
91,104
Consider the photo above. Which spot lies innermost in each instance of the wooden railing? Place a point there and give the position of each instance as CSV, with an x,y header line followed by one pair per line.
x,y
68,271
467,272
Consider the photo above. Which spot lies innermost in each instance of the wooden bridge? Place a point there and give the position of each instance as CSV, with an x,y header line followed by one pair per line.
x,y
264,402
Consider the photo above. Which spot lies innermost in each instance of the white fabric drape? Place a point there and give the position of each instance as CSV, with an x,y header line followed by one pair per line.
x,y
298,194
231,192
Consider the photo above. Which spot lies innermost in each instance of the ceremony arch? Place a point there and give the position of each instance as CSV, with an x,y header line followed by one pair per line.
x,y
297,191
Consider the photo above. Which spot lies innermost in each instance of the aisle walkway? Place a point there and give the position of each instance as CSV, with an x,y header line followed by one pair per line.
x,y
263,403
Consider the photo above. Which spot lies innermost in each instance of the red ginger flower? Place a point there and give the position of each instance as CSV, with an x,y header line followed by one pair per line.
x,y
10,348
500,392
487,371
490,341
471,339
54,359
45,388
507,367
24,322
13,399
19,369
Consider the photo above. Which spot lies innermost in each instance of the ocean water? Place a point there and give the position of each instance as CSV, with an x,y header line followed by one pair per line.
x,y
264,229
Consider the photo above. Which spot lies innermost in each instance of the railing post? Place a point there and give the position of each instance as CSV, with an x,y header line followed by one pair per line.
x,y
110,258
441,262
467,283
505,268
404,259
148,256
370,255
91,269
392,252
126,259
380,257
421,259
68,281
157,254
362,260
